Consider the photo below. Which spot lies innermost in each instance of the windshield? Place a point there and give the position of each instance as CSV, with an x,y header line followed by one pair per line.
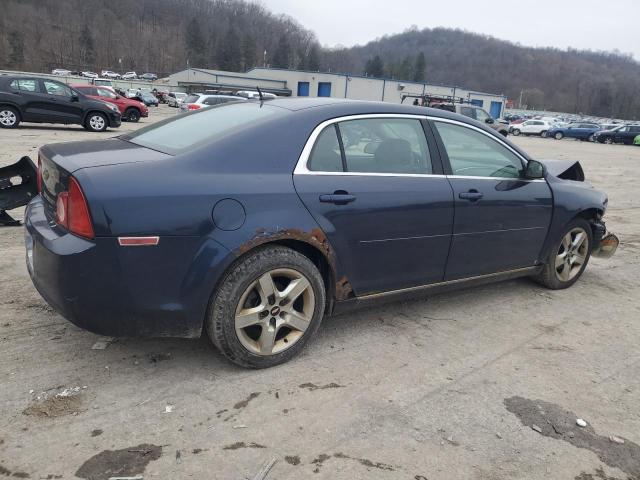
x,y
193,130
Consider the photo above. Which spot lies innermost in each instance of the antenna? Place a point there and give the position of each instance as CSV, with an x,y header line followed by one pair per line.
x,y
260,94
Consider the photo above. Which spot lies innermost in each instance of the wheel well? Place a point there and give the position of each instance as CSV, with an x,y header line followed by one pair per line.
x,y
132,108
318,259
15,107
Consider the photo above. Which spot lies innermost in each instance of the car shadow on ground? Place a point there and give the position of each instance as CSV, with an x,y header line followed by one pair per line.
x,y
199,356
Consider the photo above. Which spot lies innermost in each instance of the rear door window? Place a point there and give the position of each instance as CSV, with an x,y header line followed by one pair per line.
x,y
325,156
385,145
25,85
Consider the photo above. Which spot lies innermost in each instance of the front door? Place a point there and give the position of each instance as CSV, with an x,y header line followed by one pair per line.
x,y
380,196
58,99
501,219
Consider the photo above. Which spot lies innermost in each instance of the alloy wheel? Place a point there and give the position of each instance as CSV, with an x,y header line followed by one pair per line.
x,y
608,140
8,118
274,311
572,254
97,122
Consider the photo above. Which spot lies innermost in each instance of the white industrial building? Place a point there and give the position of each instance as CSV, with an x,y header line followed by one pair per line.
x,y
299,83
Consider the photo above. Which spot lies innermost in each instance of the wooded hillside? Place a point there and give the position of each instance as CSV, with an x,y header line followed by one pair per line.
x,y
162,36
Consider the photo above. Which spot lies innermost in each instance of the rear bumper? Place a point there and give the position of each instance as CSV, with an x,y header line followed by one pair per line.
x,y
99,286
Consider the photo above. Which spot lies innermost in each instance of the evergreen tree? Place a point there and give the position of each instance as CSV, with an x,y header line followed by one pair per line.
x,y
16,49
195,44
282,55
374,67
230,51
405,70
419,72
249,57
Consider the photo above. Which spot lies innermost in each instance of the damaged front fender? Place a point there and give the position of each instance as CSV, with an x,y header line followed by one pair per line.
x,y
18,185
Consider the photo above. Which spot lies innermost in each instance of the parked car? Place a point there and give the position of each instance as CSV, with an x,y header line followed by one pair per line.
x,y
89,74
531,127
109,74
147,98
129,76
42,100
131,110
102,82
149,76
61,72
623,134
636,141
477,113
196,101
250,94
174,99
581,131
239,220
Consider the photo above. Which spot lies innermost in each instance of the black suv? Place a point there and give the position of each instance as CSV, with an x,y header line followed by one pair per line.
x,y
41,100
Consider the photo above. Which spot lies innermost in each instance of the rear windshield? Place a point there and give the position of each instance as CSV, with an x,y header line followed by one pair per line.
x,y
186,132
191,99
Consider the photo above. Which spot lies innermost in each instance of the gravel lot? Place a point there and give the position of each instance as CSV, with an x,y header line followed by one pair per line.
x,y
485,383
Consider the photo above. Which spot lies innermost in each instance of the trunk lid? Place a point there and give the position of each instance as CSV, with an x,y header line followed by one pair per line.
x,y
58,161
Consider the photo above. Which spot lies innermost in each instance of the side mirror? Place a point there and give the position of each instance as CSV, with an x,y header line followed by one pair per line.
x,y
534,170
75,98
489,121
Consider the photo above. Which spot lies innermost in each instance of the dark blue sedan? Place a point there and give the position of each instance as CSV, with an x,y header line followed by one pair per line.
x,y
254,220
581,131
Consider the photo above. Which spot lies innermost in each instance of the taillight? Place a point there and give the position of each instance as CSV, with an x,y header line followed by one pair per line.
x,y
39,174
72,211
193,106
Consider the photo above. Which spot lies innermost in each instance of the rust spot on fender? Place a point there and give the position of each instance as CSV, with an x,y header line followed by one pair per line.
x,y
314,237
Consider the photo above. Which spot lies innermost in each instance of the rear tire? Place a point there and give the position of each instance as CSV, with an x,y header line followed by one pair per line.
x,y
543,134
9,117
253,321
568,257
96,122
132,115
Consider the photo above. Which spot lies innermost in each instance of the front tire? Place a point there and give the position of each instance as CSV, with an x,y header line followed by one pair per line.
x,y
96,122
132,115
266,308
569,256
9,117
516,132
558,136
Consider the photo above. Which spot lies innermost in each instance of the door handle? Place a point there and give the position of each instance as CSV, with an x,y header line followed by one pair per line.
x,y
471,195
339,197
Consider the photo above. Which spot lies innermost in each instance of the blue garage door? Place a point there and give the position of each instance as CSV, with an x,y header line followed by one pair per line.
x,y
477,103
496,109
303,89
324,89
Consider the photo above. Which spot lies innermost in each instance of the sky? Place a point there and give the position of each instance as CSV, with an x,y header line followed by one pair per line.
x,y
582,24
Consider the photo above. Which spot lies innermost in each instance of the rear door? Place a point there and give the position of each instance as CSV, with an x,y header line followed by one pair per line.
x,y
501,219
28,89
377,191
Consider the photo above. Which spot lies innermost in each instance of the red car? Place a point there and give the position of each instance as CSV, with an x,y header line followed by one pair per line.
x,y
130,109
